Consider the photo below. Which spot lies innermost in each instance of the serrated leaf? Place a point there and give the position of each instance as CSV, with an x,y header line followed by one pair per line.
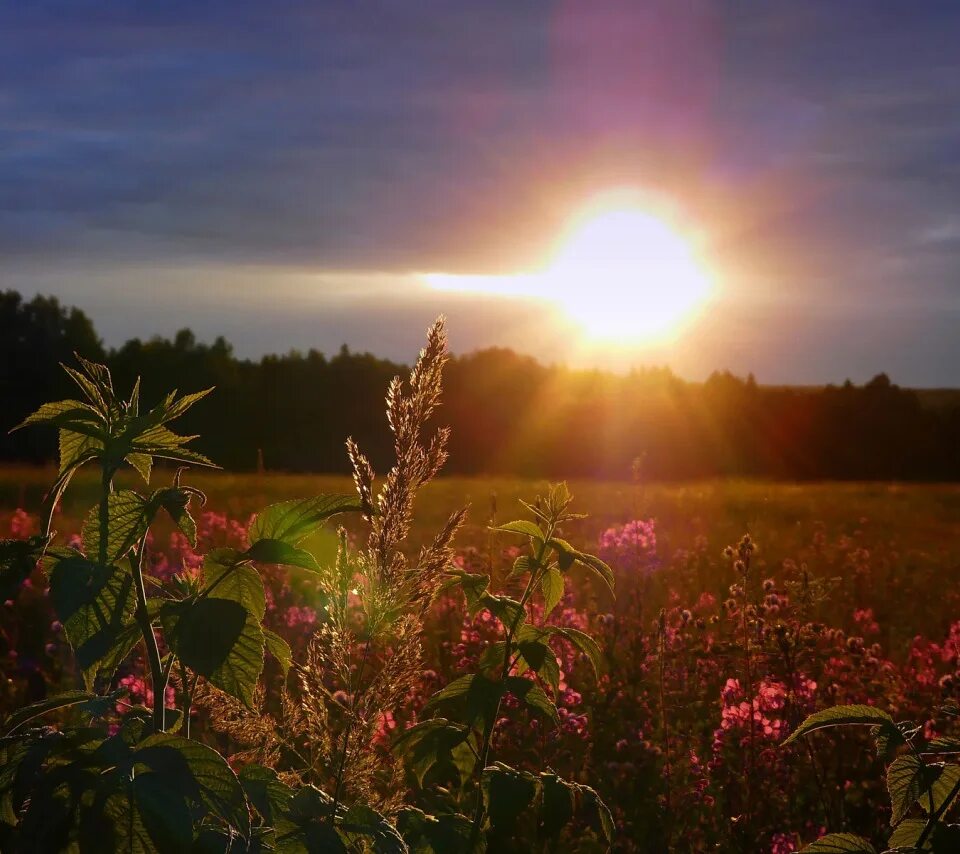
x,y
201,773
96,605
279,649
226,578
593,802
557,804
143,463
521,566
362,824
76,449
67,699
532,695
509,611
907,779
838,843
280,552
294,521
128,520
64,413
851,715
943,745
521,526
428,834
220,639
583,642
473,585
176,503
540,658
551,583
473,694
509,792
428,743
268,794
945,780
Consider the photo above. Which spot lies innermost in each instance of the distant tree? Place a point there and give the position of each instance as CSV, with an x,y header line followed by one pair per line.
x,y
35,336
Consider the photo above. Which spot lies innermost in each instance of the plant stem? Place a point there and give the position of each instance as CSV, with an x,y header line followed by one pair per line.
x,y
158,676
490,723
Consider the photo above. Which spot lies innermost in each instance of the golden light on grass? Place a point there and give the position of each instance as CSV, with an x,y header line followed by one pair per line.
x,y
621,271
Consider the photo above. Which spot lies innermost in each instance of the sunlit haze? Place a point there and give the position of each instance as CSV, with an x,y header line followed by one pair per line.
x,y
619,272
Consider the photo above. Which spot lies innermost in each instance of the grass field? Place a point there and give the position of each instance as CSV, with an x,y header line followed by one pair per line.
x,y
659,734
920,517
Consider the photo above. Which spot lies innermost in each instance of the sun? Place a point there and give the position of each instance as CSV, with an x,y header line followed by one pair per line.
x,y
619,271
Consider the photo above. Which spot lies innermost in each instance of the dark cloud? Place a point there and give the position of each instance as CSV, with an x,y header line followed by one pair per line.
x,y
815,144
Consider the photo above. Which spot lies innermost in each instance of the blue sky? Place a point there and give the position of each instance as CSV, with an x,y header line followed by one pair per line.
x,y
278,172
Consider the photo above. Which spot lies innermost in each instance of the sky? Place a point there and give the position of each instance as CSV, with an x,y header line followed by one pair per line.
x,y
283,173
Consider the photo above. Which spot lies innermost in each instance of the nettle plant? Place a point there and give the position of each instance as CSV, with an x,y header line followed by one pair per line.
x,y
922,782
309,774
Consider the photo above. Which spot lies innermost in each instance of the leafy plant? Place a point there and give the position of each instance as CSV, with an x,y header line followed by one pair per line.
x,y
311,779
917,777
450,753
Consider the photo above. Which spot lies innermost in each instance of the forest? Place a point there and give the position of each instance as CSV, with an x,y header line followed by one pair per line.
x,y
509,414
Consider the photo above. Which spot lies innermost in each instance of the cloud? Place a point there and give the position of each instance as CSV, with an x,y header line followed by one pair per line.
x,y
813,143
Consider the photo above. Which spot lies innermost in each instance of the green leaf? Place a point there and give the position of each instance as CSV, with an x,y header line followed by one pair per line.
x,y
509,793
278,551
268,794
143,463
225,578
176,502
509,611
428,743
294,521
842,716
220,639
837,843
943,746
592,802
533,696
64,413
568,555
128,519
96,605
279,649
541,659
18,559
474,586
521,566
473,694
363,823
428,834
201,773
907,779
77,449
583,642
65,700
521,526
557,804
946,778
306,828
551,583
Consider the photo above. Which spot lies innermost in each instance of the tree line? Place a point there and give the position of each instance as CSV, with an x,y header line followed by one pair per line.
x,y
509,414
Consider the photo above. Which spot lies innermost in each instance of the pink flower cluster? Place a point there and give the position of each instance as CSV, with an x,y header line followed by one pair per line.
x,y
631,546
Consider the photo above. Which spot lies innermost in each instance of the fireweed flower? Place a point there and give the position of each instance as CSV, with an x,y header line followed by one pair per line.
x,y
632,546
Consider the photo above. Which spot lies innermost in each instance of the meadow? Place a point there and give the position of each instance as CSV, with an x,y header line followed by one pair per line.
x,y
855,582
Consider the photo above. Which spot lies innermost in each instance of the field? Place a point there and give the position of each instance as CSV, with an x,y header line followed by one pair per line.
x,y
855,586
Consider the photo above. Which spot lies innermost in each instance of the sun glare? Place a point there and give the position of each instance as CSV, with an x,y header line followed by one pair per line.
x,y
619,272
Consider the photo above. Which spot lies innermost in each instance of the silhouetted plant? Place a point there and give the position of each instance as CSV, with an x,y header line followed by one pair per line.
x,y
310,778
